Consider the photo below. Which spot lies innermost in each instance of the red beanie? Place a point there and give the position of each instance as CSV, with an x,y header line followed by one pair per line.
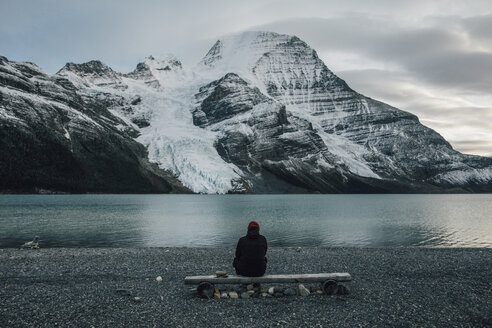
x,y
253,224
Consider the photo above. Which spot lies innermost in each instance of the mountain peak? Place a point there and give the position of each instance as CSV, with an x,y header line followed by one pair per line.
x,y
251,42
166,62
156,70
241,51
91,67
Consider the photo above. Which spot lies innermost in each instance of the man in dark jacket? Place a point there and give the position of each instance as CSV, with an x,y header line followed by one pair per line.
x,y
251,249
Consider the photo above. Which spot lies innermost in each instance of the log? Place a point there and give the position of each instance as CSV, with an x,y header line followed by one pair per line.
x,y
270,278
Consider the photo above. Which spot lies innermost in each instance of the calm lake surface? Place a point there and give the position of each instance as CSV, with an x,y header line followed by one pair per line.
x,y
213,220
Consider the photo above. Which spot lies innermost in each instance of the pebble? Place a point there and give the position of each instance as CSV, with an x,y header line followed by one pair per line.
x,y
250,287
386,280
233,295
319,292
216,295
271,290
137,299
123,292
158,279
290,292
303,291
343,290
223,295
250,292
244,295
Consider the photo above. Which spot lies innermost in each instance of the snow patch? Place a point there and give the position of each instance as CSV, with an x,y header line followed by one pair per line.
x,y
462,177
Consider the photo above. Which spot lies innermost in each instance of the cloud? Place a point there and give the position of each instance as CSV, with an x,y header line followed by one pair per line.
x,y
480,27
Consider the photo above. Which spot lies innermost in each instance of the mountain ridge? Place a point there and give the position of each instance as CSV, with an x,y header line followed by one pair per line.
x,y
260,113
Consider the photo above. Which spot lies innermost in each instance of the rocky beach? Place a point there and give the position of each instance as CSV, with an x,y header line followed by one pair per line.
x,y
114,287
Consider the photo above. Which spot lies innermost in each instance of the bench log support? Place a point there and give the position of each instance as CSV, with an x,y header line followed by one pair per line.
x,y
329,281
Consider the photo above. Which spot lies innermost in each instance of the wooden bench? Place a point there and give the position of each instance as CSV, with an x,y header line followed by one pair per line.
x,y
329,280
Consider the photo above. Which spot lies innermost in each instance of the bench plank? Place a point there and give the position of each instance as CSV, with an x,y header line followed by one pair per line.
x,y
269,278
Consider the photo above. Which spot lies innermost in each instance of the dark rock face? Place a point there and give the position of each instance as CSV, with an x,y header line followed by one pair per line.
x,y
53,138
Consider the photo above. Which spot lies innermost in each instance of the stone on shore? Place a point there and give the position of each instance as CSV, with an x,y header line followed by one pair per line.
x,y
303,291
290,292
233,295
343,290
392,287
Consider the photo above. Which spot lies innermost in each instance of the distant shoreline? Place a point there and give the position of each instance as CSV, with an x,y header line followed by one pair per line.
x,y
406,286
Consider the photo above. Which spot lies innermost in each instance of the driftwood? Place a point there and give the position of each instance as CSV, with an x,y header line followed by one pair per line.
x,y
271,278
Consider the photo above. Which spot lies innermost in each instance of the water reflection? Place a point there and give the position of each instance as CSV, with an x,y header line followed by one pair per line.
x,y
286,220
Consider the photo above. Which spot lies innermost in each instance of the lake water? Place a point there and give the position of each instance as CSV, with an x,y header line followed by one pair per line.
x,y
213,220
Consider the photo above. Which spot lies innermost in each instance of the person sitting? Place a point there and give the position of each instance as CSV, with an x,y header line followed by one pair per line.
x,y
251,249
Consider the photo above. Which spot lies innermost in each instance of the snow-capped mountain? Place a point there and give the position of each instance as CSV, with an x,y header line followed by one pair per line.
x,y
57,134
260,113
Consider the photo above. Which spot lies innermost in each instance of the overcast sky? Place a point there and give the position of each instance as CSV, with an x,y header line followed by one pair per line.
x,y
432,58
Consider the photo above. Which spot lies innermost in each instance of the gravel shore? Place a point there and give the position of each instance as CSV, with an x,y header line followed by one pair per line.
x,y
402,287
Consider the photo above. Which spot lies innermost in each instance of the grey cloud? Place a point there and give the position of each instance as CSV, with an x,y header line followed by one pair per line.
x,y
474,147
470,71
479,27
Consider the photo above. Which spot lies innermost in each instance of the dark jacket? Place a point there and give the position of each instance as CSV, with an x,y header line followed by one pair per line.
x,y
250,257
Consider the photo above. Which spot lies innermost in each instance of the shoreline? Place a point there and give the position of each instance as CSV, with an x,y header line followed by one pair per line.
x,y
394,286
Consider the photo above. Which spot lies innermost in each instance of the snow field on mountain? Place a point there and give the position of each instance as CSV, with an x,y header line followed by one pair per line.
x,y
175,144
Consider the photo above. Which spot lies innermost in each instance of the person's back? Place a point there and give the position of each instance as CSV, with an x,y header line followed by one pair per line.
x,y
251,249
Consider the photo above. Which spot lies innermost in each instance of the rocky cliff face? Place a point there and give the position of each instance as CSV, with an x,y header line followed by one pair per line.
x,y
260,113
